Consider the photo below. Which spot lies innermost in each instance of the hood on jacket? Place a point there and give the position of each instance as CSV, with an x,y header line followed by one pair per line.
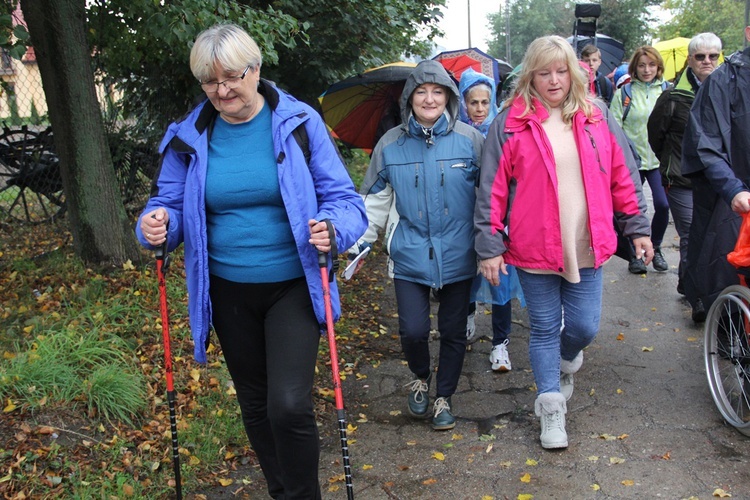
x,y
429,71
469,79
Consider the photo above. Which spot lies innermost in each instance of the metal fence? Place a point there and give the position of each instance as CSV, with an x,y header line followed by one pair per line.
x,y
30,183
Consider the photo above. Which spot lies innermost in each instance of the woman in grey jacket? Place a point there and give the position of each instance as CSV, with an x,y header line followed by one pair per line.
x,y
419,189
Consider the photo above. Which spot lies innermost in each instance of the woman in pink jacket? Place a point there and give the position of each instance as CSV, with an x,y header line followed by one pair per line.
x,y
555,171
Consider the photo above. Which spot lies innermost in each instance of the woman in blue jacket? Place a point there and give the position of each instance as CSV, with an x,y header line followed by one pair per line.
x,y
419,189
235,186
478,109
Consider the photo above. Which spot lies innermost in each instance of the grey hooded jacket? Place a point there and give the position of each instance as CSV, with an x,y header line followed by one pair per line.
x,y
420,190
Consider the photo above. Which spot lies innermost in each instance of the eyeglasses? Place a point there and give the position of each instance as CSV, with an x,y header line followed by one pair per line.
x,y
701,57
229,84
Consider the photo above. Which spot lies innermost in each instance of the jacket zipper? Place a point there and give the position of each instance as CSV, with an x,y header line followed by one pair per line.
x,y
596,150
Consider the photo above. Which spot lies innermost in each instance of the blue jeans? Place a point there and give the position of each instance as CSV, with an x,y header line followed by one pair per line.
x,y
547,296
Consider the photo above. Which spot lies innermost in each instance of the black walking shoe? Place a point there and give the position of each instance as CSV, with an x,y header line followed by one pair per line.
x,y
418,401
699,312
659,262
637,266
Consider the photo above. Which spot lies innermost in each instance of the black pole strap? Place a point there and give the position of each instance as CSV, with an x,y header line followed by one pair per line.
x,y
334,252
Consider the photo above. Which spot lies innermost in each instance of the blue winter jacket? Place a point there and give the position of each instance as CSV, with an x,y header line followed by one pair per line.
x,y
420,188
320,190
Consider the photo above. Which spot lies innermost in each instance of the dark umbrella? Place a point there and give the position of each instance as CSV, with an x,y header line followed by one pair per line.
x,y
362,107
612,50
504,68
458,61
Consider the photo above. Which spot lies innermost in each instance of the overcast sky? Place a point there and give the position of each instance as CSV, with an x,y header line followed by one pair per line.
x,y
456,26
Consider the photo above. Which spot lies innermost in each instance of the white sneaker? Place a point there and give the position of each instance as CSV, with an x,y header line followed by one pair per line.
x,y
499,357
551,407
471,328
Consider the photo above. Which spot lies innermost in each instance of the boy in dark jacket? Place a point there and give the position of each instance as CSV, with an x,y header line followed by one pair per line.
x,y
593,57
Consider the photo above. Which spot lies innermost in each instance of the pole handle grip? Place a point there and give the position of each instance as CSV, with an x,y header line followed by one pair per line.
x,y
322,257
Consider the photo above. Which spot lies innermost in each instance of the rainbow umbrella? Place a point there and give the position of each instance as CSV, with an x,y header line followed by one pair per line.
x,y
359,109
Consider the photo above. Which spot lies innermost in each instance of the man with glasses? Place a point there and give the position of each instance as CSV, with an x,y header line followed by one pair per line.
x,y
666,127
716,158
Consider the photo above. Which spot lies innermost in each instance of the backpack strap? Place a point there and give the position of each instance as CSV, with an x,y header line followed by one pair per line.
x,y
303,141
627,97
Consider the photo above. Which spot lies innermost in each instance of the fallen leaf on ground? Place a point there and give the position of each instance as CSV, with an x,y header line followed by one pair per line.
x,y
627,482
438,456
526,478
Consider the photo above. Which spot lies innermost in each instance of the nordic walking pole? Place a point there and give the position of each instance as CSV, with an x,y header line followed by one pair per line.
x,y
162,263
339,397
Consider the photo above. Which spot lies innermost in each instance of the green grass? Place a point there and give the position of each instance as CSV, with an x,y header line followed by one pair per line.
x,y
357,162
85,367
86,352
89,347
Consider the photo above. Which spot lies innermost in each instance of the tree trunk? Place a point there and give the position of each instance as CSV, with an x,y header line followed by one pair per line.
x,y
101,230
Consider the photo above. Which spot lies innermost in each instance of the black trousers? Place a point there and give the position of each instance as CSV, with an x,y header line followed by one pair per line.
x,y
269,335
413,302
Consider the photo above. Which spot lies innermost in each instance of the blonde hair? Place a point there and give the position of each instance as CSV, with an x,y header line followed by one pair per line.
x,y
651,53
540,54
227,45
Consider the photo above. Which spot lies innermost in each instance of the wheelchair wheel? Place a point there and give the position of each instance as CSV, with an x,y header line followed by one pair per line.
x,y
727,355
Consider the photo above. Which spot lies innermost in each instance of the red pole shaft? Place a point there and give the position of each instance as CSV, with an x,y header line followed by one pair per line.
x,y
168,369
165,324
338,394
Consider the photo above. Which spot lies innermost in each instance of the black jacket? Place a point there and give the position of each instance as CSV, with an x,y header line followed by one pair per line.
x,y
715,157
666,126
603,88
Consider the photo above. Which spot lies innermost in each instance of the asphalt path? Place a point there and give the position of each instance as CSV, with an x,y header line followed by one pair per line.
x,y
641,423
